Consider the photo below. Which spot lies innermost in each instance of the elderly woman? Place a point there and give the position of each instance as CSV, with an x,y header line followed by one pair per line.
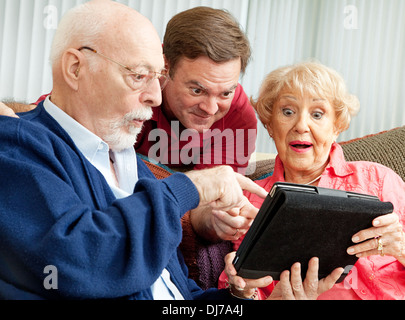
x,y
304,108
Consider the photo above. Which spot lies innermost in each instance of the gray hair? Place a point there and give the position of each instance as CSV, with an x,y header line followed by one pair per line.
x,y
82,25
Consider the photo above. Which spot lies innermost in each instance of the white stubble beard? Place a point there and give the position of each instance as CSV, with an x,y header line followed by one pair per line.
x,y
123,133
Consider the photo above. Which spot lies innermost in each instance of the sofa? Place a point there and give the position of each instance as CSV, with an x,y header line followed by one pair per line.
x,y
206,260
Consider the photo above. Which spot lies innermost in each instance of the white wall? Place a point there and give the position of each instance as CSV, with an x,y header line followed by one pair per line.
x,y
363,39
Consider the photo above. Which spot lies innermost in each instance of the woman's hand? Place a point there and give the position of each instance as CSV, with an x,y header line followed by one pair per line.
x,y
240,287
293,288
288,288
386,237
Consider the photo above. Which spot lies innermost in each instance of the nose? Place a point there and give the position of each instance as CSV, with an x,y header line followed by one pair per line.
x,y
302,124
210,106
152,94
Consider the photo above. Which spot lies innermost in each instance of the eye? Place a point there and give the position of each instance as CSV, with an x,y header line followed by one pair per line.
x,y
196,91
138,77
228,94
287,112
317,115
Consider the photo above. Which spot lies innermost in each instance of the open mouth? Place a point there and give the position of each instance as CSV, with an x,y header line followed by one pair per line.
x,y
301,145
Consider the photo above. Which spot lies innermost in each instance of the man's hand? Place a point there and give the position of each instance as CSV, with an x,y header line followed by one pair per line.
x,y
6,111
217,225
224,213
231,225
10,108
221,188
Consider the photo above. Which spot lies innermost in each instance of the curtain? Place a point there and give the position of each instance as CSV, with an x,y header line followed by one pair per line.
x,y
362,39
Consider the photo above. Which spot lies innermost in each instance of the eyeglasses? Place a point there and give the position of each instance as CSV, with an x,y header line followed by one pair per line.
x,y
138,81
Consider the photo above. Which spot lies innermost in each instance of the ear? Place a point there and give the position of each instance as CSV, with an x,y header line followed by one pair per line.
x,y
167,66
269,130
71,63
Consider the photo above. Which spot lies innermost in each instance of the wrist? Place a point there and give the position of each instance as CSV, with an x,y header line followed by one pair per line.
x,y
202,224
250,294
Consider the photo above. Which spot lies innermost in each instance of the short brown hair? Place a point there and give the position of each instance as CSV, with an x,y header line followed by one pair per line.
x,y
204,31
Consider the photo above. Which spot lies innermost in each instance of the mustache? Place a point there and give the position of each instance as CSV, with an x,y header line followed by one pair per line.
x,y
144,114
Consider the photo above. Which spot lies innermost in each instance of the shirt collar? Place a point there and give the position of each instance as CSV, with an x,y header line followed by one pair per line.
x,y
337,162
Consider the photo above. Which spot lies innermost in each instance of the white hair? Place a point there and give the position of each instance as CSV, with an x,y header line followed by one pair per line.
x,y
83,25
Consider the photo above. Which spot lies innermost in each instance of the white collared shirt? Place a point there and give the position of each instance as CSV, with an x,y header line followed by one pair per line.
x,y
98,154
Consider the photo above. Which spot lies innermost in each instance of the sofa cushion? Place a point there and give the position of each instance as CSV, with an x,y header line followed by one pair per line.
x,y
260,169
387,148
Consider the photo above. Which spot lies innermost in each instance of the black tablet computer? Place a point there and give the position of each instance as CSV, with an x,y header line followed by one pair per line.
x,y
297,222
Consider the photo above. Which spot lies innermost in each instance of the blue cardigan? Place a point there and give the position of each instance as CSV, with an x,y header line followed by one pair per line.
x,y
57,209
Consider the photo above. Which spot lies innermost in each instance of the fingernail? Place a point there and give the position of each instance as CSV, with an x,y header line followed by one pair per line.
x,y
355,239
350,250
376,222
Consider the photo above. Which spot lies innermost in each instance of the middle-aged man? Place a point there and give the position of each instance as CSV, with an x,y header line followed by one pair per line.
x,y
73,196
206,118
